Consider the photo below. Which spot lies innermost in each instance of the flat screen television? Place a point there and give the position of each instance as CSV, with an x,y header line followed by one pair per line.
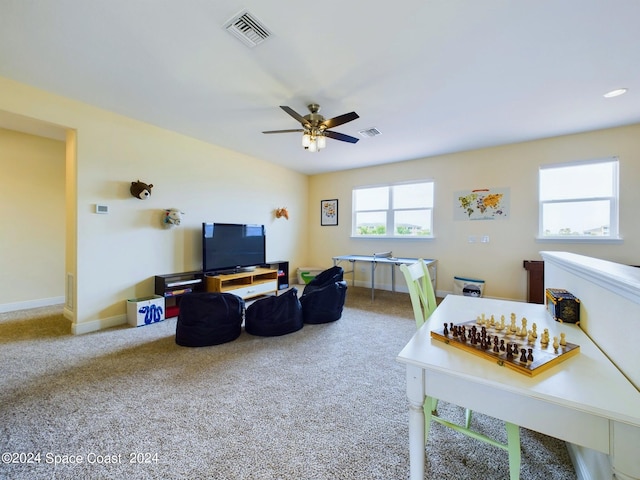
x,y
232,246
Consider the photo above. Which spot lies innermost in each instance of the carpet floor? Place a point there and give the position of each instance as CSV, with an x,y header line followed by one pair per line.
x,y
326,402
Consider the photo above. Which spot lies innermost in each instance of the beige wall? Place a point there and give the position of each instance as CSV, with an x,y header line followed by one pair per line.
x,y
499,262
116,255
32,235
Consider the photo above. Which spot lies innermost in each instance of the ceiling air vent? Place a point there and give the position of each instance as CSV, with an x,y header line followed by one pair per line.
x,y
370,132
247,28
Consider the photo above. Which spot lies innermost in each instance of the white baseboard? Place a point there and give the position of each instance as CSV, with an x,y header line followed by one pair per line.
x,y
42,302
68,314
100,324
367,284
403,288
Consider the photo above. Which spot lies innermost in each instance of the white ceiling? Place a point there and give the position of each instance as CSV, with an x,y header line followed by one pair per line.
x,y
434,76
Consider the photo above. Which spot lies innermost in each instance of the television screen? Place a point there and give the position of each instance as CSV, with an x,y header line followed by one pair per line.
x,y
228,246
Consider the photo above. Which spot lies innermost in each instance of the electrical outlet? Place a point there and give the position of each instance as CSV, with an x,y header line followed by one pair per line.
x,y
485,239
472,239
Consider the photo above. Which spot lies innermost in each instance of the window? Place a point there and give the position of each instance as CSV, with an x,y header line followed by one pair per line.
x,y
399,211
579,200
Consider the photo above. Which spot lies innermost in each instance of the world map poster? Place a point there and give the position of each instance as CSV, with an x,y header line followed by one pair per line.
x,y
482,204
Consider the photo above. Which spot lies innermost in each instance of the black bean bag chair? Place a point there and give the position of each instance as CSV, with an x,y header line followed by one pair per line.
x,y
323,303
208,318
274,316
324,278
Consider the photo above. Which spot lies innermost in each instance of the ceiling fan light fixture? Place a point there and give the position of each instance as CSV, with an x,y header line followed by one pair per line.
x,y
315,129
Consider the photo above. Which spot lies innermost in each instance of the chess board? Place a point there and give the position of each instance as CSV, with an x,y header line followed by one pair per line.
x,y
541,356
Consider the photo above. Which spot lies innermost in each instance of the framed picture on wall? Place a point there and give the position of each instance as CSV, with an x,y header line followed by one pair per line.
x,y
329,212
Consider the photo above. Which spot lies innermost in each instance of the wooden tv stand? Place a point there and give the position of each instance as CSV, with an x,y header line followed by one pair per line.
x,y
261,281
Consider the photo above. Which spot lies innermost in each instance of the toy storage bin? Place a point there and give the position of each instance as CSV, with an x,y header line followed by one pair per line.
x,y
145,310
306,274
469,287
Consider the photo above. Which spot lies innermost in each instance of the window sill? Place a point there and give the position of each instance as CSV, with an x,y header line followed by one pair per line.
x,y
592,240
385,237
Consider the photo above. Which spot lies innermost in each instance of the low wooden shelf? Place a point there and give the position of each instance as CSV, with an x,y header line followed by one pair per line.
x,y
261,281
174,286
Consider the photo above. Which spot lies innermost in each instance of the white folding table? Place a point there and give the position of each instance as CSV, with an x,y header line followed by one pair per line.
x,y
383,259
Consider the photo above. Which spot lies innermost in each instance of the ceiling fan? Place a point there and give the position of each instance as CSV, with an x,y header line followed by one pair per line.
x,y
316,129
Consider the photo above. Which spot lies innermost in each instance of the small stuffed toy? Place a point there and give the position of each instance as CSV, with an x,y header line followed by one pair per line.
x,y
282,212
172,217
141,190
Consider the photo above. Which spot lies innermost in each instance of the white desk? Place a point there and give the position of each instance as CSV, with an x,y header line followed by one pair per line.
x,y
374,260
585,400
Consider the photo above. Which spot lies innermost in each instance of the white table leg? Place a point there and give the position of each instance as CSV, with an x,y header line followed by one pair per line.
x,y
415,394
353,272
373,276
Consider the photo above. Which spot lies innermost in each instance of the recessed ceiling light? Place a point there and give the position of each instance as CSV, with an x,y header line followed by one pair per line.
x,y
615,93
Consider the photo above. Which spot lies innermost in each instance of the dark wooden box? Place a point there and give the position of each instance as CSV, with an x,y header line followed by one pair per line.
x,y
563,306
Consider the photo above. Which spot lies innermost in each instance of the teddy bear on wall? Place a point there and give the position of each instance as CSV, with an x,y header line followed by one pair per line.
x,y
141,190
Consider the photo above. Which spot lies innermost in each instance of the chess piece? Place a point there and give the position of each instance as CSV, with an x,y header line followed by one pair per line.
x,y
545,337
531,338
556,343
530,356
534,331
523,330
523,355
563,339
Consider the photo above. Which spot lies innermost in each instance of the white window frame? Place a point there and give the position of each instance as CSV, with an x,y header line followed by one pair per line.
x,y
390,211
614,202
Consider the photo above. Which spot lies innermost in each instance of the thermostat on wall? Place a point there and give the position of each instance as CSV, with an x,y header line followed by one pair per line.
x,y
102,209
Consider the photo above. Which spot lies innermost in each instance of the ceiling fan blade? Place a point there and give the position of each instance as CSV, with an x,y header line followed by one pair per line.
x,y
296,115
340,120
284,131
341,136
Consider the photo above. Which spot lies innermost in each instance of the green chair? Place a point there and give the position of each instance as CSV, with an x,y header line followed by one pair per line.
x,y
423,301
